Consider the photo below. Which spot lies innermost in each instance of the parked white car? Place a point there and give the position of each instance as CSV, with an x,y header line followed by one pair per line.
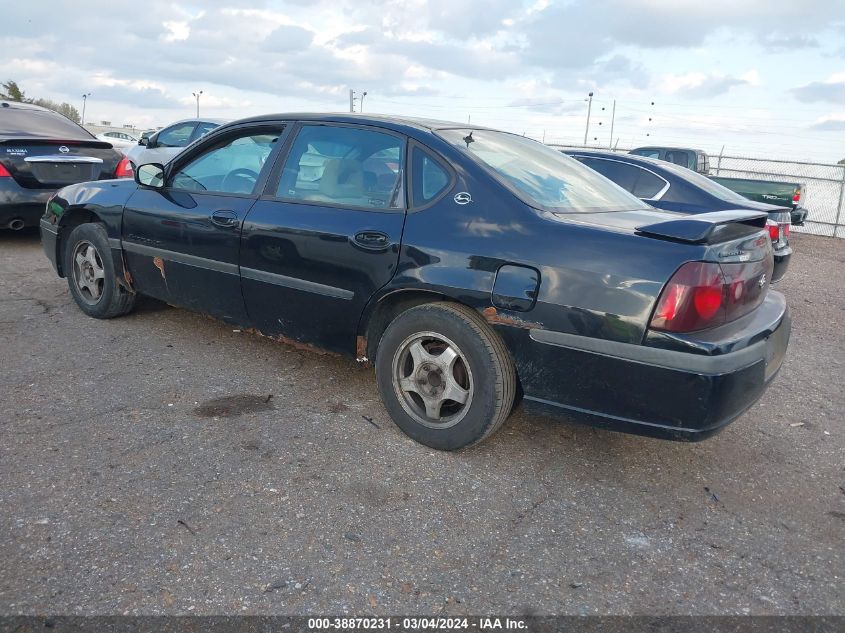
x,y
119,140
169,141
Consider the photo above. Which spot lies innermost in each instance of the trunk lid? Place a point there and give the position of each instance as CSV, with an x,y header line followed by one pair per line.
x,y
37,163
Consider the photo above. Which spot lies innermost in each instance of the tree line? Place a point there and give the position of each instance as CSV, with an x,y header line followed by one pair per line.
x,y
12,92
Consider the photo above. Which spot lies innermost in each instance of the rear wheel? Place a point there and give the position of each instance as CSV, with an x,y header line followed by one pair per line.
x,y
445,377
91,276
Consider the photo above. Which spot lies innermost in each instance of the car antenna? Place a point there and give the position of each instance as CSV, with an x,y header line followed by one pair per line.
x,y
468,139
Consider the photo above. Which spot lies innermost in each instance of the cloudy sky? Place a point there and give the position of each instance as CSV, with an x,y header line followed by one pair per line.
x,y
761,77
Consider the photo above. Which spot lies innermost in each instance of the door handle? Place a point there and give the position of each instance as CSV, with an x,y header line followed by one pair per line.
x,y
372,240
225,218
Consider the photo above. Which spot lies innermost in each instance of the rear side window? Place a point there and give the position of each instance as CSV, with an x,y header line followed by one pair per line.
x,y
31,123
623,175
428,177
682,158
344,166
638,181
649,153
176,136
647,185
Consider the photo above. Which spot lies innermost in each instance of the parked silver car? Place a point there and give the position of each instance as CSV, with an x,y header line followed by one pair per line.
x,y
169,141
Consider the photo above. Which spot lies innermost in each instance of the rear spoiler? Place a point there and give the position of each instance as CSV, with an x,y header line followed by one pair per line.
x,y
707,228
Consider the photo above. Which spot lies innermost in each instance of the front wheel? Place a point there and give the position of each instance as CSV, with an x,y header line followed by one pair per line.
x,y
445,376
91,276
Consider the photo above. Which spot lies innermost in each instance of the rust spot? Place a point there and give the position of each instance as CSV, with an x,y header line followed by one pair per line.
x,y
494,318
304,347
158,262
361,349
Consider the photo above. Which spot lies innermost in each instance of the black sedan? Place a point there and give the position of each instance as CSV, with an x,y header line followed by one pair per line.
x,y
42,151
472,266
668,186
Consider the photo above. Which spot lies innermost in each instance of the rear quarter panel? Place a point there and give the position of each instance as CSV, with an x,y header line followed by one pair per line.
x,y
593,281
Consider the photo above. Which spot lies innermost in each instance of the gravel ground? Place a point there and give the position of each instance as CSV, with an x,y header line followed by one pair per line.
x,y
164,463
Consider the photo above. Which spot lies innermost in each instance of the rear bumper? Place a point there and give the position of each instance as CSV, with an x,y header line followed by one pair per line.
x,y
50,243
19,202
678,388
782,256
798,215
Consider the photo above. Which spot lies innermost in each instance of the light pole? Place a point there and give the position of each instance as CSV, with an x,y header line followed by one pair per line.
x,y
589,108
84,103
197,96
361,107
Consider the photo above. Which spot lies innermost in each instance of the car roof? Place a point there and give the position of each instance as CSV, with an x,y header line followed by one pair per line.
x,y
19,105
668,148
203,119
385,120
630,158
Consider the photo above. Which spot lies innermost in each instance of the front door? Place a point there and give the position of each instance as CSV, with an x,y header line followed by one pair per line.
x,y
326,234
182,241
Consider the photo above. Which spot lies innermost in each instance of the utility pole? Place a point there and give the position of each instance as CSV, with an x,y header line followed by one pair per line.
x,y
84,103
589,109
197,96
612,121
351,100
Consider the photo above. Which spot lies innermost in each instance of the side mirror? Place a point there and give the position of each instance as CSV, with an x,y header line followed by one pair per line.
x,y
150,175
144,141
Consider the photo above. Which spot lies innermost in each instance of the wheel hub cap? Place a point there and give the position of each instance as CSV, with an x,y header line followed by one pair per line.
x,y
433,380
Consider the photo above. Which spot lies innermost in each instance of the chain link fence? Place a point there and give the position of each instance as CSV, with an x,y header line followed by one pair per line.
x,y
824,185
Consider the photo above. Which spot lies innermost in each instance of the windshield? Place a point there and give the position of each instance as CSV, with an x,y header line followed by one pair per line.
x,y
703,182
541,176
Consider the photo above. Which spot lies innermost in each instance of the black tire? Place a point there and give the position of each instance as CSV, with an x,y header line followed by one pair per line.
x,y
113,299
483,366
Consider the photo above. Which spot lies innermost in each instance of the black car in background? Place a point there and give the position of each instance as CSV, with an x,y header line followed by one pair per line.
x,y
668,186
42,151
471,266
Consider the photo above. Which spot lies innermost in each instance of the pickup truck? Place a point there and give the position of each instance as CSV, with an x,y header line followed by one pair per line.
x,y
782,194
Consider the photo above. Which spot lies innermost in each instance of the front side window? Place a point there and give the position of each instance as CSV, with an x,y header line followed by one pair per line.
x,y
648,153
427,176
176,136
540,176
204,128
231,166
344,166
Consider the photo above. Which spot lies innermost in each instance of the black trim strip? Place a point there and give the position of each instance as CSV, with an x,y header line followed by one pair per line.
x,y
296,284
669,359
181,258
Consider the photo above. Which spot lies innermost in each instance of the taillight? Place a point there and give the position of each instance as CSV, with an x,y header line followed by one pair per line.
x,y
124,169
774,230
702,295
785,228
4,173
796,196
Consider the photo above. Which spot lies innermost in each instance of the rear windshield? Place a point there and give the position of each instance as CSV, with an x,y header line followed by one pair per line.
x,y
541,176
25,123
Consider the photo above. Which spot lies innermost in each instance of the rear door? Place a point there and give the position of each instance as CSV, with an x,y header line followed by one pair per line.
x,y
326,234
182,242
